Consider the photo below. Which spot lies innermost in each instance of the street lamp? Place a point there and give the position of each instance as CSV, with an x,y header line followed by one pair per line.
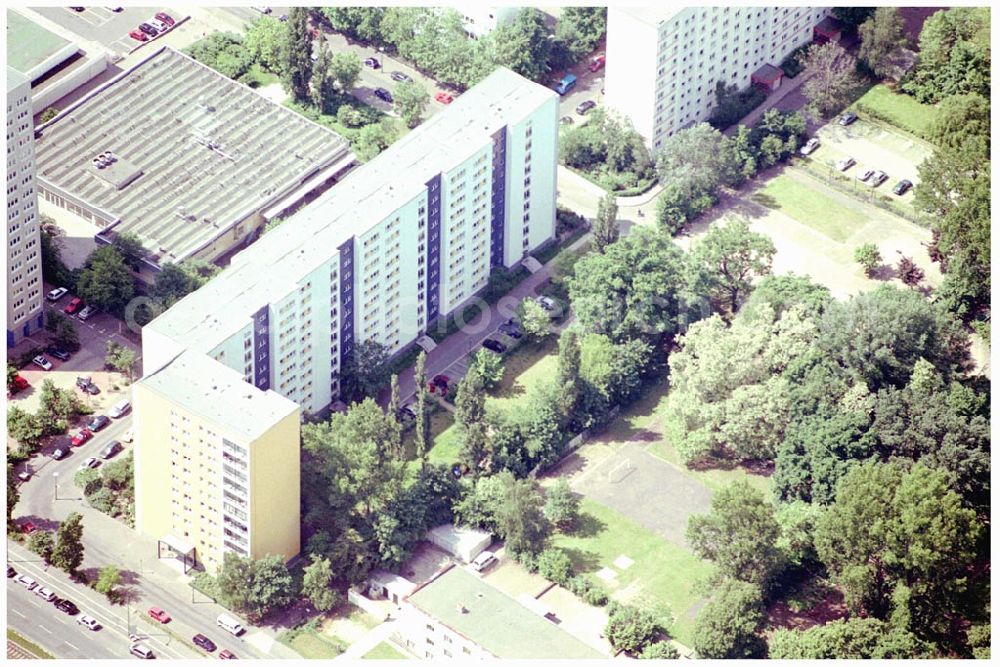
x,y
381,57
55,486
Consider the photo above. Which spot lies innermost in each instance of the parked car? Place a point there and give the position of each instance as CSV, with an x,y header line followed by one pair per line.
x,y
56,294
11,572
511,328
24,475
158,24
59,453
140,650
583,107
596,63
67,607
82,436
27,528
91,462
120,409
27,582
78,9
73,306
443,97
42,363
88,622
82,381
847,119
129,435
383,95
878,178
204,642
263,10
902,187
148,29
494,346
810,146
406,414
166,18
546,303
20,384
46,594
57,352
845,164
400,76
87,312
113,448
138,35
372,62
483,560
91,389
441,381
864,174
158,614
98,422
566,120
226,654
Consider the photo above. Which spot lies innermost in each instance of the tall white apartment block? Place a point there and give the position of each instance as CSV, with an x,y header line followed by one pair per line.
x,y
663,62
402,242
24,255
480,20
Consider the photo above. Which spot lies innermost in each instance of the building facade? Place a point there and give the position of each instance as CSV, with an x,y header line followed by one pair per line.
x,y
24,253
385,255
663,63
480,21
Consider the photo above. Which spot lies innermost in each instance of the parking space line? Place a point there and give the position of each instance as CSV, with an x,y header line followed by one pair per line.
x,y
18,613
42,627
70,645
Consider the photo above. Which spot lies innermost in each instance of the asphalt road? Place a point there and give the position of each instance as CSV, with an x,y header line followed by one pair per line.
x,y
103,26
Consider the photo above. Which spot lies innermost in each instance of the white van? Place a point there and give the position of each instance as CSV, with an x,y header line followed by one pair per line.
x,y
120,408
141,651
483,561
229,624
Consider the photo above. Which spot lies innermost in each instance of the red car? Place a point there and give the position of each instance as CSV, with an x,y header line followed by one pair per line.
x,y
73,305
158,614
226,654
139,35
597,63
443,97
439,382
27,527
20,384
83,436
166,18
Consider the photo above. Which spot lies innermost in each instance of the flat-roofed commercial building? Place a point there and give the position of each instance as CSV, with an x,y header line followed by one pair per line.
x,y
403,241
458,615
202,162
663,62
24,252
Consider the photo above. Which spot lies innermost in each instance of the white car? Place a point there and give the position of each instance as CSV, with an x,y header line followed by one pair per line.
x,y
864,174
42,363
87,312
88,622
27,582
845,164
129,435
878,178
483,560
90,463
810,146
158,24
263,10
56,294
546,303
46,594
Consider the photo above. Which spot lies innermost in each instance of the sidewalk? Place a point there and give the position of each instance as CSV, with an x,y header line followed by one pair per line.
x,y
372,638
786,88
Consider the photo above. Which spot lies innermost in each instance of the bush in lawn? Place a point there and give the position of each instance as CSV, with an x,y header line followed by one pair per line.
x,y
909,272
42,543
868,257
562,506
660,650
588,591
630,629
348,116
555,565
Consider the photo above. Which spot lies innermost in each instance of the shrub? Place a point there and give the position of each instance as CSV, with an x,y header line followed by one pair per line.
x,y
733,104
349,116
587,591
630,629
555,565
791,65
660,650
48,114
868,257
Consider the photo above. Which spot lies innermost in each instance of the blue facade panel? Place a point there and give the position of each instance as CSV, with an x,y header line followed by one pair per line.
x,y
433,248
346,301
261,349
498,197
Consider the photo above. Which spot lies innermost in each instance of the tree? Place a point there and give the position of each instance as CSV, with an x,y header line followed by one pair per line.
x,y
954,55
470,416
410,101
520,520
883,39
107,581
375,138
12,375
24,427
569,384
962,124
296,54
661,650
322,84
68,552
692,165
534,320
254,587
392,411
172,284
360,23
868,257
54,271
224,52
64,331
105,280
489,367
562,506
630,629
727,627
130,248
42,543
783,292
422,436
739,534
366,371
909,272
725,261
605,227
852,17
632,290
264,40
831,79
578,32
13,493
316,580
345,68
555,565
120,358
522,45
847,639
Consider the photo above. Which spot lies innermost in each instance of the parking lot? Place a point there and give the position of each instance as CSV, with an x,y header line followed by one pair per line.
x,y
101,25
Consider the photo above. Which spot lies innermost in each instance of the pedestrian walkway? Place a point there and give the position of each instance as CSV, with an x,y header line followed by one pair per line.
x,y
787,87
370,640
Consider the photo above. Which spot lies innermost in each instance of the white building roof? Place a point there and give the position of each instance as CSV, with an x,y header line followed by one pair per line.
x,y
653,15
270,268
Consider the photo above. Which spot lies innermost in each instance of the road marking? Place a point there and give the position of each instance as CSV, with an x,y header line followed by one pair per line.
x,y
42,627
70,645
18,613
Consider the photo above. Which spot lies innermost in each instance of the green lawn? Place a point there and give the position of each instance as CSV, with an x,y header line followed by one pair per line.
x,y
384,651
903,111
312,646
523,370
811,208
664,573
444,435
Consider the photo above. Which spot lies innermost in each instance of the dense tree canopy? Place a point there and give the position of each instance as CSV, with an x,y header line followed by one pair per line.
x,y
883,39
727,627
832,79
726,260
954,55
847,639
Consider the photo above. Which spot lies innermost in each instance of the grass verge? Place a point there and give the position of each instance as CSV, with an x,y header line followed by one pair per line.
x,y
28,645
384,651
811,208
898,109
523,370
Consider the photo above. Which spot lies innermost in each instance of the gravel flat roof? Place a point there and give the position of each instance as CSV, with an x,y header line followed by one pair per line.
x,y
29,45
